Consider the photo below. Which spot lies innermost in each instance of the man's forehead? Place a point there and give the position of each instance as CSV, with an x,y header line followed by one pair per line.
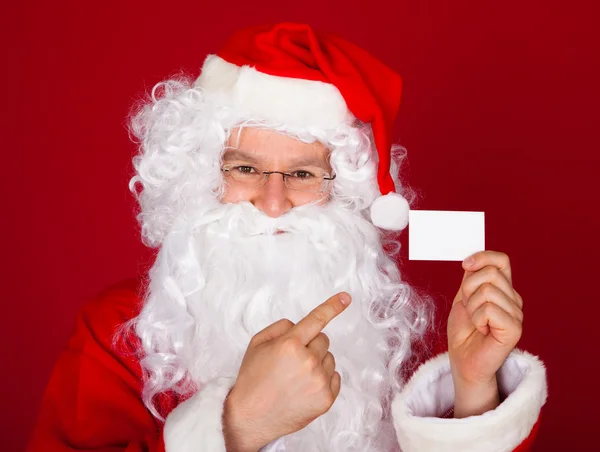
x,y
255,144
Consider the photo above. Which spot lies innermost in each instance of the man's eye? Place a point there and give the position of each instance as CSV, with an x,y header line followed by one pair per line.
x,y
303,175
245,169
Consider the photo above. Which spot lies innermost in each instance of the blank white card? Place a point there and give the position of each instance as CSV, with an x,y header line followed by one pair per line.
x,y
442,235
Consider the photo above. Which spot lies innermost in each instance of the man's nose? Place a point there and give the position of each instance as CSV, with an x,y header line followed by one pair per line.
x,y
272,198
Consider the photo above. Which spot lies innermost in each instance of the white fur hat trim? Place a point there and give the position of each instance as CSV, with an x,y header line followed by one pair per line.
x,y
297,102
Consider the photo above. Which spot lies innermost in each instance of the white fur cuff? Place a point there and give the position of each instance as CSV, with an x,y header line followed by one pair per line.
x,y
430,393
195,425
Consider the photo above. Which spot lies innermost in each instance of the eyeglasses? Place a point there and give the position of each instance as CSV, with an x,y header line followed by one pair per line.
x,y
300,180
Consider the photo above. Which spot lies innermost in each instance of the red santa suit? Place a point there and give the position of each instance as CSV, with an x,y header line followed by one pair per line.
x,y
93,400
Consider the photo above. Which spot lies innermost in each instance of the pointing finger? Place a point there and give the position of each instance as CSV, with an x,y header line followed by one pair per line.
x,y
310,326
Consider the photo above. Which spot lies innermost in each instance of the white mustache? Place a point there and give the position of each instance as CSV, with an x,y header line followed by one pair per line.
x,y
244,220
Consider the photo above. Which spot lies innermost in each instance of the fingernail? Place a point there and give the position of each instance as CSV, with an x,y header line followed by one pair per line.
x,y
469,261
345,299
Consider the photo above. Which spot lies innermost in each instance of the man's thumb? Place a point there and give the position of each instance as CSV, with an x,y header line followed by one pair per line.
x,y
273,331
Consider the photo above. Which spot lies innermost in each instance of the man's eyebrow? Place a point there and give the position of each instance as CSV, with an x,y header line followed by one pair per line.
x,y
309,161
239,154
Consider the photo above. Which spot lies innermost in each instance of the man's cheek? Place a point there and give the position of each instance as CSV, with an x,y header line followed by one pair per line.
x,y
236,194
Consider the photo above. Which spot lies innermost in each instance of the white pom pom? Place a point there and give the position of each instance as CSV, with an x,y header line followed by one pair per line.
x,y
390,212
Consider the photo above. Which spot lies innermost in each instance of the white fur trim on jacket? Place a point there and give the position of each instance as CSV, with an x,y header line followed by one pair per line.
x,y
195,425
291,101
430,393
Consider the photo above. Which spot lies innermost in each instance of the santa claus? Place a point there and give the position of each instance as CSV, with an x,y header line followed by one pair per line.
x,y
274,317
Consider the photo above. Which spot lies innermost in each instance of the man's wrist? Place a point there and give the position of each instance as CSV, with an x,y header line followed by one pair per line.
x,y
475,398
240,432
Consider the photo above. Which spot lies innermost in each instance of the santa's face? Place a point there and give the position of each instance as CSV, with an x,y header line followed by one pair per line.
x,y
251,151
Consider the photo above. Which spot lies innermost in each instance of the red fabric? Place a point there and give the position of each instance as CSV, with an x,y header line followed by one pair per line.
x,y
527,444
371,89
92,401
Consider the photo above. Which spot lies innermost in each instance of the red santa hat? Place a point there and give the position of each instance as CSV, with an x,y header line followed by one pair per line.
x,y
291,74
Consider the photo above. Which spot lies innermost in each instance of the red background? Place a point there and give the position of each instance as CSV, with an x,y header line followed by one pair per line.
x,y
499,113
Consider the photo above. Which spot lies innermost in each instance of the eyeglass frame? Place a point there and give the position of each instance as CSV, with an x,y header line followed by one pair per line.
x,y
266,175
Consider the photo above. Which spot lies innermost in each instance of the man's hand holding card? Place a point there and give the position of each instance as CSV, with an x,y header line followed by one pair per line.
x,y
486,319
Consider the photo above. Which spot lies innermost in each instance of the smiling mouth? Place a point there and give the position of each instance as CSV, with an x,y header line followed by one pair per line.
x,y
279,232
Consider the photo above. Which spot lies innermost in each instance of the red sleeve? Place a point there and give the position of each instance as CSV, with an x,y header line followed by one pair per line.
x,y
92,401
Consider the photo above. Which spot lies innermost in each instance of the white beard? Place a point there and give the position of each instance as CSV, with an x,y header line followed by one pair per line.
x,y
224,275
